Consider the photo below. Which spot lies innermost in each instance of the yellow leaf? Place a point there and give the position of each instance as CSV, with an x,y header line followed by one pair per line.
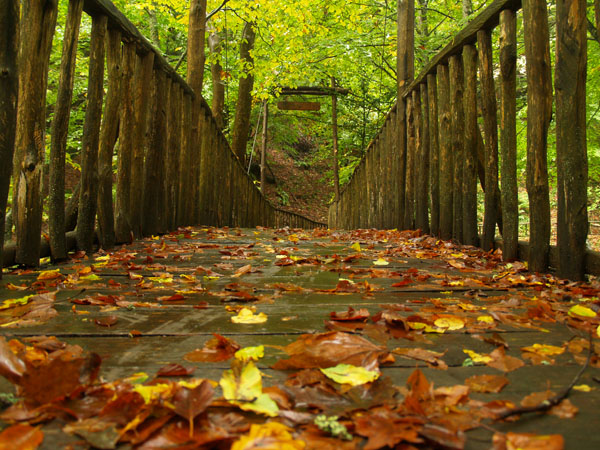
x,y
268,436
544,350
242,384
246,316
598,331
425,327
137,378
381,262
348,374
14,302
262,405
583,388
486,319
154,392
478,358
49,274
450,323
250,353
92,277
162,280
581,311
103,258
356,246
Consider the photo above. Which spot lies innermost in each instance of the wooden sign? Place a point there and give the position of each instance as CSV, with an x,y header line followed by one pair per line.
x,y
299,106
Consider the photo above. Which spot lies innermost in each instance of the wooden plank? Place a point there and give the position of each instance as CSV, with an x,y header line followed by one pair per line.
x,y
539,114
508,133
299,106
571,146
434,154
90,141
409,199
487,20
445,159
457,80
490,127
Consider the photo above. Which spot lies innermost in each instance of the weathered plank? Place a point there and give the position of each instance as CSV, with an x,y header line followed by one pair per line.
x,y
299,106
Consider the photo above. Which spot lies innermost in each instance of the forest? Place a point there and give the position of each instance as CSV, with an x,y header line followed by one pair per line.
x,y
306,43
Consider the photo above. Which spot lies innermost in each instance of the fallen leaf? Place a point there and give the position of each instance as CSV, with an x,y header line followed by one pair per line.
x,y
217,349
478,358
349,374
106,321
527,441
504,362
486,383
171,298
175,370
242,386
242,271
380,262
49,275
268,436
189,403
451,323
250,353
21,437
384,428
350,315
544,349
583,311
246,316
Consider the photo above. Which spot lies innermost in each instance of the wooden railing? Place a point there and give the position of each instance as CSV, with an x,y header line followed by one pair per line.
x,y
427,178
175,167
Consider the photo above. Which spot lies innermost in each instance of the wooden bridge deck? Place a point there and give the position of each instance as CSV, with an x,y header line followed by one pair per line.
x,y
297,279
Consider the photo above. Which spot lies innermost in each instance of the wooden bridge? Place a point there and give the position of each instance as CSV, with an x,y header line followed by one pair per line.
x,y
159,300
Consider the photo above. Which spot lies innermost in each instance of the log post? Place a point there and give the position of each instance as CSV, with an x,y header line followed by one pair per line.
x,y
108,139
183,213
263,151
60,131
143,94
457,112
9,88
434,162
446,172
409,202
508,134
571,146
90,141
471,132
539,113
153,209
38,22
421,219
334,131
173,152
123,230
490,127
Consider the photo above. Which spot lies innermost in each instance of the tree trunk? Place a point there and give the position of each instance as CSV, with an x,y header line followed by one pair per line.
x,y
490,126
9,87
88,197
123,228
244,102
571,148
334,130
195,49
218,84
59,133
38,22
539,113
263,152
508,135
108,138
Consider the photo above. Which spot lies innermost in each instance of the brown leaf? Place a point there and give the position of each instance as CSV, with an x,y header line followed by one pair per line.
x,y
106,321
527,441
330,349
175,370
384,428
420,354
504,362
189,403
39,309
418,385
172,298
217,349
486,383
11,366
564,410
21,437
443,437
350,315
242,271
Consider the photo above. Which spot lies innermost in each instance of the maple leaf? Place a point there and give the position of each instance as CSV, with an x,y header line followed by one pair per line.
x,y
189,403
330,349
21,437
269,436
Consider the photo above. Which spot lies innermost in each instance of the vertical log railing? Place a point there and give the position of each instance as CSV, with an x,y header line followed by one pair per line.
x,y
167,176
437,123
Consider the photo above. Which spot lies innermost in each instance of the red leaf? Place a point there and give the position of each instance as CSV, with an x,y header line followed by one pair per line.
x,y
175,370
21,437
217,349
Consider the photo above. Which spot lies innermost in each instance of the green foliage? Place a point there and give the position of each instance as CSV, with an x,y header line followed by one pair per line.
x,y
284,198
331,426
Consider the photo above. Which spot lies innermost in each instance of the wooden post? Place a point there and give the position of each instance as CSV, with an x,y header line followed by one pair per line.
x,y
108,139
183,214
490,127
539,113
434,165
123,230
571,146
173,152
471,132
334,130
423,162
446,172
420,200
90,141
38,22
153,210
143,93
409,202
508,134
458,141
59,133
9,88
263,152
